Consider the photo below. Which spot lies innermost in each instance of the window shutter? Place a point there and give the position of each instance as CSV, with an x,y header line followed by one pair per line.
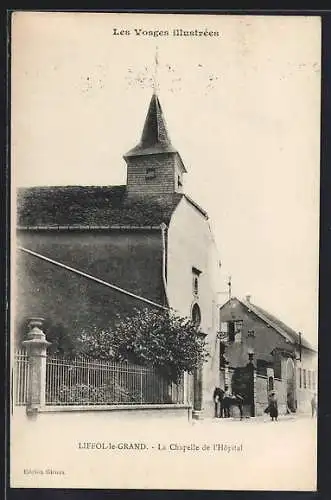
x,y
224,327
237,330
238,337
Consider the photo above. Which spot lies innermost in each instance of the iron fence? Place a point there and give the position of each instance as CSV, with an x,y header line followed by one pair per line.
x,y
84,381
21,377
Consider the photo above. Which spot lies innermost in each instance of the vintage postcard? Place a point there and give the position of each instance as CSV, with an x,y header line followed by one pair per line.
x,y
165,250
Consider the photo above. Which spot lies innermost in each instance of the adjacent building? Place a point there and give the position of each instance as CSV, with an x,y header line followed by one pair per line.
x,y
271,354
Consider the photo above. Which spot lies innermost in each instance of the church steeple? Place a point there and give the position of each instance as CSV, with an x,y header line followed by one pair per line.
x,y
154,165
155,138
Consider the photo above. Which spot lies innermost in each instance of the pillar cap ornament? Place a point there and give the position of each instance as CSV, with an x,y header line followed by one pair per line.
x,y
35,322
36,336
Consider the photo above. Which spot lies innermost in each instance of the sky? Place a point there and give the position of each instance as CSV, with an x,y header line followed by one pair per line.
x,y
242,108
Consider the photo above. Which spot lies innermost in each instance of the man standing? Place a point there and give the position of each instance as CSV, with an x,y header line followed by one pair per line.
x,y
227,401
217,397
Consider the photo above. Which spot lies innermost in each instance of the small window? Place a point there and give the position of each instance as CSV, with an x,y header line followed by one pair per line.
x,y
310,381
224,330
304,378
313,380
237,330
300,378
179,181
150,173
195,283
231,331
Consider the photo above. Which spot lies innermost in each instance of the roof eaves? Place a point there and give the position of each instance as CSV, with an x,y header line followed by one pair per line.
x,y
195,205
288,330
274,325
182,163
156,149
227,302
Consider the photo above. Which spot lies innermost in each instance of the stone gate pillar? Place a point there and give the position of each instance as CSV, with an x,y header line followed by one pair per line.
x,y
36,347
254,408
197,393
198,402
252,385
227,380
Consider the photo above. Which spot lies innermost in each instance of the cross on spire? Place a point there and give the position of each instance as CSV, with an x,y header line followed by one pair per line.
x,y
155,73
230,287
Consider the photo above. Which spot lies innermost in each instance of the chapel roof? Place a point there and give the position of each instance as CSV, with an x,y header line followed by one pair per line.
x,y
91,206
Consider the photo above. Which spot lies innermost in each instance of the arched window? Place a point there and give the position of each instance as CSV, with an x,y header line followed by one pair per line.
x,y
196,315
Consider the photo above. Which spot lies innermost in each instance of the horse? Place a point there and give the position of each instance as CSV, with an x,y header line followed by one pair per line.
x,y
223,401
231,400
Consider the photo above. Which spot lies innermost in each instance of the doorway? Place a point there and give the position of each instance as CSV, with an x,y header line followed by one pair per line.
x,y
290,385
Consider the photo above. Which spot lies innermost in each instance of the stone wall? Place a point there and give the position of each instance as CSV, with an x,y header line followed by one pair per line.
x,y
261,391
280,389
131,260
261,394
103,415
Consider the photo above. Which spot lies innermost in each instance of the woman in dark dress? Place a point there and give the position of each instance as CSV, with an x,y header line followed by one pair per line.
x,y
273,407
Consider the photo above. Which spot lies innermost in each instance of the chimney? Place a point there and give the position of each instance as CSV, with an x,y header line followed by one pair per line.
x,y
248,298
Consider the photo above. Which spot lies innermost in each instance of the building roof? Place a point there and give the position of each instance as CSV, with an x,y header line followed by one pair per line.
x,y
287,332
91,206
155,138
100,207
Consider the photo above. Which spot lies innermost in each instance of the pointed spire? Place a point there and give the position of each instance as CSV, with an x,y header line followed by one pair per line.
x,y
155,129
155,138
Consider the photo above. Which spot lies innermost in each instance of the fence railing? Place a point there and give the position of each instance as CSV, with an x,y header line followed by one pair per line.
x,y
84,381
21,377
